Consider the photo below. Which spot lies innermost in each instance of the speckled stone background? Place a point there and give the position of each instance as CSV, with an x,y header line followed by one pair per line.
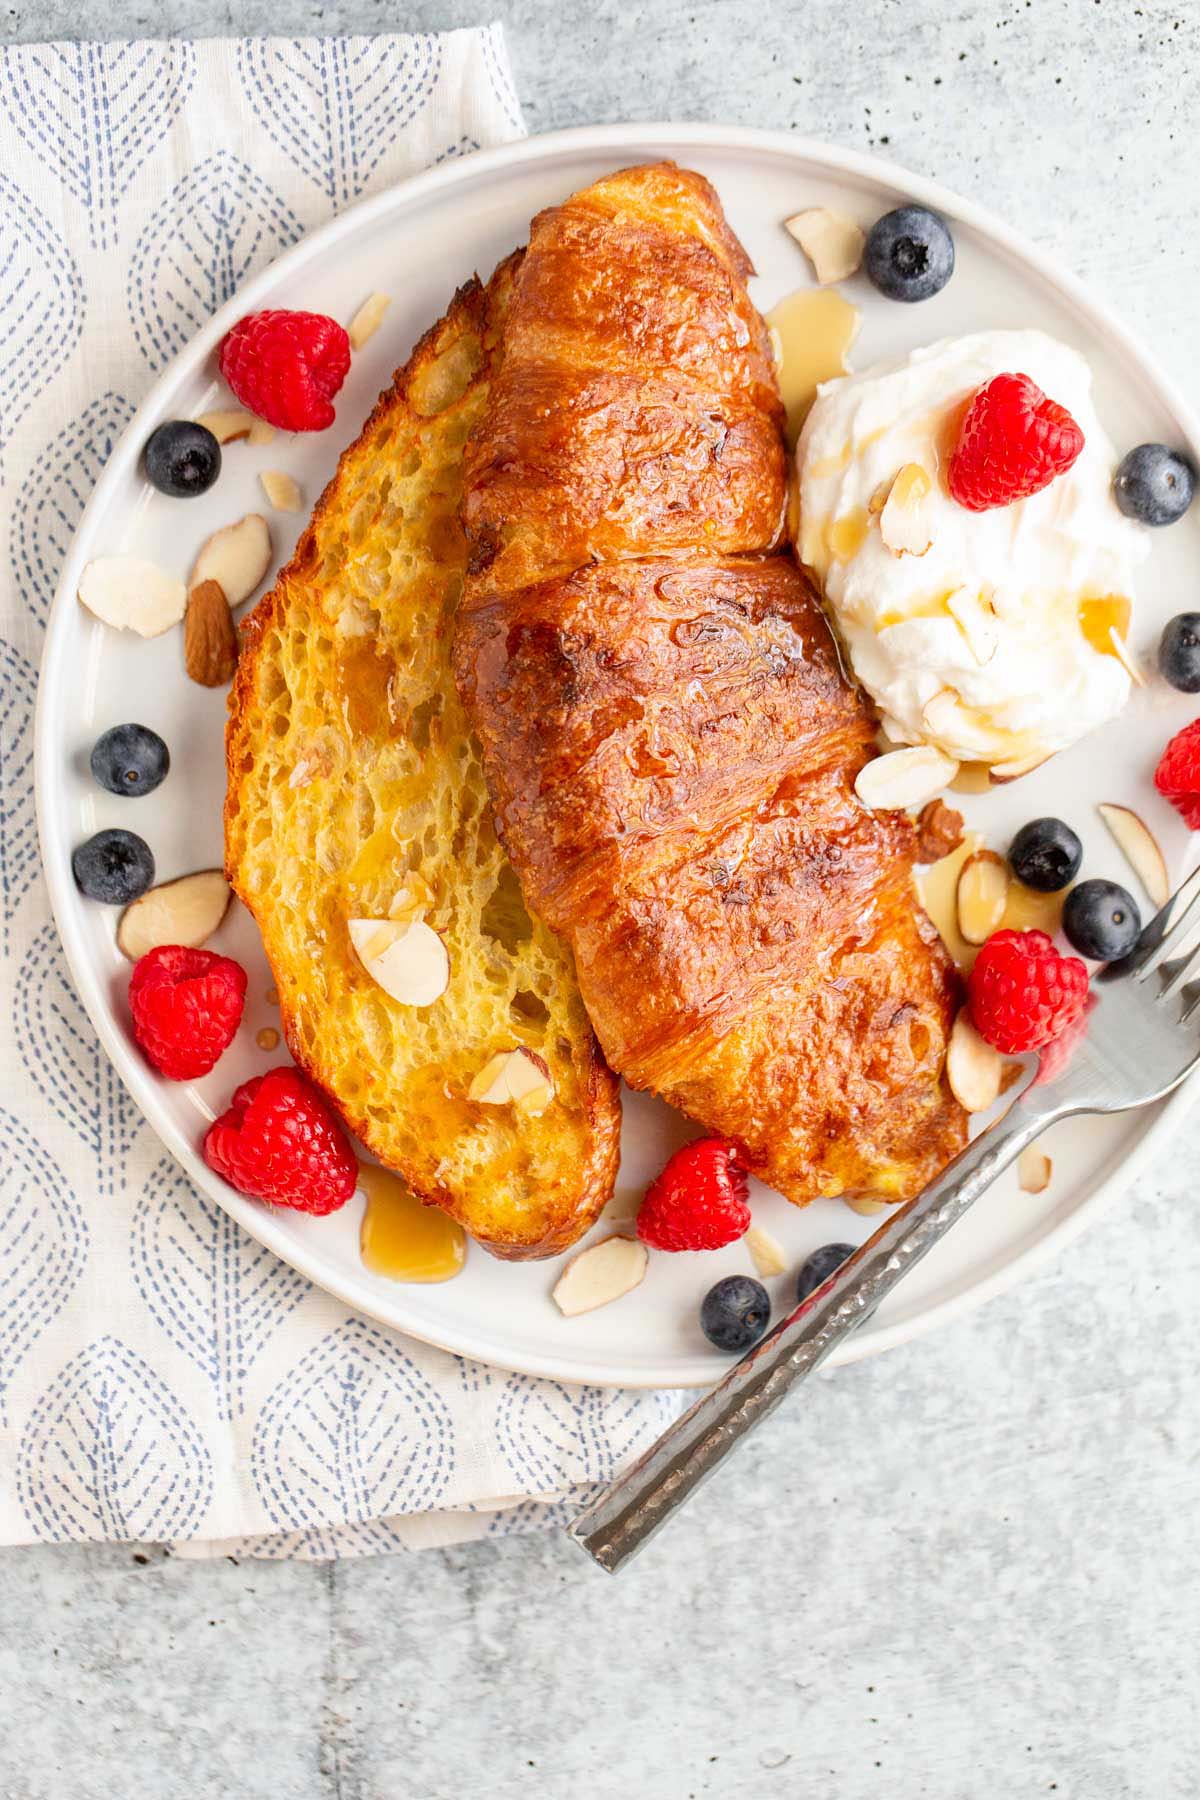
x,y
969,1570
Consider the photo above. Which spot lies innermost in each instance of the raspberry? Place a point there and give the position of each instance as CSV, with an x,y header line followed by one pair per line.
x,y
1012,443
186,1006
280,1142
1022,993
698,1202
286,366
1177,776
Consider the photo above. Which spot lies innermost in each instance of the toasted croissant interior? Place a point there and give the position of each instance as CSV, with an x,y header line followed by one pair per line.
x,y
356,792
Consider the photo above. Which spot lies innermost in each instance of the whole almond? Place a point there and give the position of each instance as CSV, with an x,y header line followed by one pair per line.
x,y
939,831
210,642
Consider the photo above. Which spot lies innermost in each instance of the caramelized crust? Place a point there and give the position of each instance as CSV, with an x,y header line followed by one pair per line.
x,y
636,404
668,739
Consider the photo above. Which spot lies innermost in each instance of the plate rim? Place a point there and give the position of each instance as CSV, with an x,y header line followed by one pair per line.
x,y
632,138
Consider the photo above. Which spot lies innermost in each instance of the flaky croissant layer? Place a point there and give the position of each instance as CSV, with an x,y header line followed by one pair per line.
x,y
668,739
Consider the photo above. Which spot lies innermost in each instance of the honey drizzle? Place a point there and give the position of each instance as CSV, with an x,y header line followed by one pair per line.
x,y
1024,909
403,1239
814,329
972,778
1100,616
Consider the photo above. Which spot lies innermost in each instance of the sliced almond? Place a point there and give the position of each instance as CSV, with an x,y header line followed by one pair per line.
x,y
132,594
943,714
977,622
261,432
864,1206
186,911
903,778
210,640
982,895
282,490
367,319
1034,1170
766,1253
833,243
1125,657
973,1068
937,890
1140,850
902,522
237,557
228,427
514,1077
408,961
1021,765
939,831
599,1274
412,901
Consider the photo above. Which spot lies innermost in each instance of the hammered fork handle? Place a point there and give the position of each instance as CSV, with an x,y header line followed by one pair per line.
x,y
622,1518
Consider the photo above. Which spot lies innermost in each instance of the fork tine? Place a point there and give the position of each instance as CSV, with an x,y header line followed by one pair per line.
x,y
1186,970
1165,928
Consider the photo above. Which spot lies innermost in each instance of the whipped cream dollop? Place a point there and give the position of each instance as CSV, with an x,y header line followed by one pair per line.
x,y
996,644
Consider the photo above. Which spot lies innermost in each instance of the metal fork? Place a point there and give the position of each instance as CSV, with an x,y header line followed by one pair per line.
x,y
1139,1045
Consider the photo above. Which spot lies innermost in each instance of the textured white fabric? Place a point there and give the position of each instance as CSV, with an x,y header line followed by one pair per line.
x,y
162,1376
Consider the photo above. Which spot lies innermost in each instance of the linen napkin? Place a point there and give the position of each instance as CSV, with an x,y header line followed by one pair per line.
x,y
162,1376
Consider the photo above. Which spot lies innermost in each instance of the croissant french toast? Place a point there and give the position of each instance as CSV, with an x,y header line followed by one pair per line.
x,y
353,779
669,742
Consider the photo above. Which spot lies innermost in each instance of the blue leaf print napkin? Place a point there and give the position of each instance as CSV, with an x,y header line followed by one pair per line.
x,y
162,1376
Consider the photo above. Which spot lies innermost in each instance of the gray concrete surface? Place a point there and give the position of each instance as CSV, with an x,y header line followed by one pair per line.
x,y
969,1570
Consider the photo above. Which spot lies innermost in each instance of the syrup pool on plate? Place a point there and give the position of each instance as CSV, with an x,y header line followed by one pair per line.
x,y
1024,909
403,1239
811,331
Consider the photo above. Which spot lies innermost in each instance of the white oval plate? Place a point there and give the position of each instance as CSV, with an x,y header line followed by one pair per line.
x,y
417,243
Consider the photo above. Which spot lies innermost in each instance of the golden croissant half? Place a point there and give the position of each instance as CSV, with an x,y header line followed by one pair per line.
x,y
668,739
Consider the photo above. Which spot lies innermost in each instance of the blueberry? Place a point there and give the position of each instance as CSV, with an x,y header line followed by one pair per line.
x,y
820,1267
113,866
1045,854
1179,653
1101,920
130,760
1154,485
182,458
735,1313
910,253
